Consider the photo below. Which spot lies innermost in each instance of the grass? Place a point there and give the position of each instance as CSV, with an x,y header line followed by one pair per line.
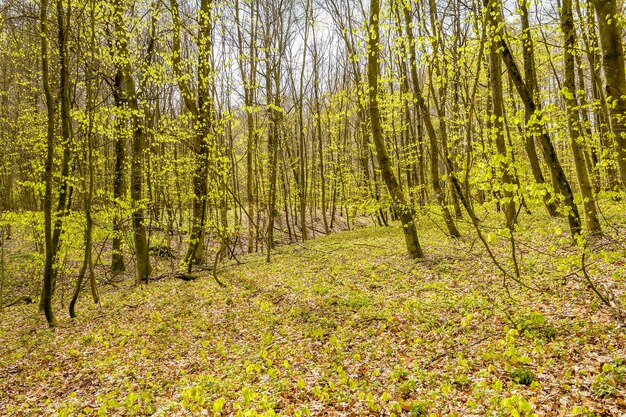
x,y
341,325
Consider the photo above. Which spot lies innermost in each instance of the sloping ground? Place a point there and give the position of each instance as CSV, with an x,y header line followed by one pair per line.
x,y
343,325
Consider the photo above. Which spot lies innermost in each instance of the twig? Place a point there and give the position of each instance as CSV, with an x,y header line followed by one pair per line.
x,y
614,308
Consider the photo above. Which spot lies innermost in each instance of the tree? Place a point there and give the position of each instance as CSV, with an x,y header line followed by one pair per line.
x,y
88,177
248,71
201,112
530,75
117,259
503,164
573,120
547,146
430,129
138,144
615,74
399,202
50,250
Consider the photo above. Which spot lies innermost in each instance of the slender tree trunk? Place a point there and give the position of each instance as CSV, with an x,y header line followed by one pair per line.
x,y
117,260
320,141
302,179
248,75
590,151
88,183
399,202
49,247
531,129
430,129
573,120
495,77
601,115
65,190
547,146
139,229
273,98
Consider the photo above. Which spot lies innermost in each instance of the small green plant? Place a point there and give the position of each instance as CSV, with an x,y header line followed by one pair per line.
x,y
613,375
517,405
584,411
536,325
418,410
407,387
320,289
603,386
522,376
357,300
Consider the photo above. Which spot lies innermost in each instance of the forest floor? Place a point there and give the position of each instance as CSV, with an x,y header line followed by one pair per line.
x,y
343,325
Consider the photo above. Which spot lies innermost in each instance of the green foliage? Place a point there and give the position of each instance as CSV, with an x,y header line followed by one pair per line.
x,y
517,406
326,324
613,376
418,410
536,325
523,376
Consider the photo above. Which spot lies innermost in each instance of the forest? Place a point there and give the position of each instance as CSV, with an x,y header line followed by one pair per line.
x,y
312,208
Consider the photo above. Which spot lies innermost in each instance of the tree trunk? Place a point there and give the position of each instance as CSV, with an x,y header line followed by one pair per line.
x,y
139,229
117,259
318,130
613,58
65,191
547,146
531,130
49,247
504,166
430,129
573,119
404,211
88,184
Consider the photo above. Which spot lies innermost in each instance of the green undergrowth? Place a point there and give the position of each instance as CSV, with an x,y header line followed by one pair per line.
x,y
341,325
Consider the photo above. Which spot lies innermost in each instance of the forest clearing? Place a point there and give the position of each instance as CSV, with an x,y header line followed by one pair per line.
x,y
343,325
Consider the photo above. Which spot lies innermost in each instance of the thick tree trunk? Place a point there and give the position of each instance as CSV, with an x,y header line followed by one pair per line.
x,y
201,111
613,58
